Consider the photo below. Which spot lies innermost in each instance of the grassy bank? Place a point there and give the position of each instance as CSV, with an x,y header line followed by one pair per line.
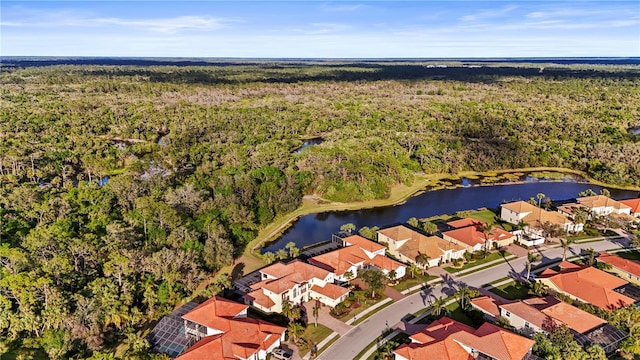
x,y
250,260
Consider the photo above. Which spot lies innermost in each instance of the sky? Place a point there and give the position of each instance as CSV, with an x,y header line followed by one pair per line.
x,y
321,29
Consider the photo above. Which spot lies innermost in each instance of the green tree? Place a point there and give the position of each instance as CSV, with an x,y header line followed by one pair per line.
x,y
290,311
531,258
269,257
413,269
464,295
413,222
438,305
429,227
316,311
422,260
374,278
540,196
295,330
293,250
565,244
349,227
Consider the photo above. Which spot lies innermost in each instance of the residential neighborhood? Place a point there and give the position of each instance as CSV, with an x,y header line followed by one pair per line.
x,y
328,277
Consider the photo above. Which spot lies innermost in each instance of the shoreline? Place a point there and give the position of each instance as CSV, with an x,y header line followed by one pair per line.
x,y
399,194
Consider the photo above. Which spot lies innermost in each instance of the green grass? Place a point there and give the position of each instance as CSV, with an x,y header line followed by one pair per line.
x,y
511,290
453,311
399,339
314,335
365,305
326,346
486,216
369,314
32,354
491,257
629,255
408,282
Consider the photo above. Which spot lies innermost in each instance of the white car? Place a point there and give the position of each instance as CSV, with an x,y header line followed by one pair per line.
x,y
280,354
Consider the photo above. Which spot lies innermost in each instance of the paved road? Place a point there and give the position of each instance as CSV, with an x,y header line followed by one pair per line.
x,y
349,345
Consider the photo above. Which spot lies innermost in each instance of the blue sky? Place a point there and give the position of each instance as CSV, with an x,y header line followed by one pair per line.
x,y
320,29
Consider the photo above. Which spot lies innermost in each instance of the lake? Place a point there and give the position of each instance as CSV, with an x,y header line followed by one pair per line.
x,y
314,228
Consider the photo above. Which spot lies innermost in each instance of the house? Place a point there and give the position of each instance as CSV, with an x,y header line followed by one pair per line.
x,y
603,205
357,254
542,314
587,284
535,217
634,205
296,282
216,329
468,233
406,244
447,339
538,314
626,269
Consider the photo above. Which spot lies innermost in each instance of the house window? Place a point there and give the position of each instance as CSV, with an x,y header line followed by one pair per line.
x,y
526,325
507,314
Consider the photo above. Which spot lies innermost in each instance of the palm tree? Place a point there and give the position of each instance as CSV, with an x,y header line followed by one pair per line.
x,y
531,258
289,311
437,306
295,330
540,196
591,256
413,269
349,275
486,230
348,227
565,243
392,275
464,295
316,311
269,257
293,250
538,288
422,260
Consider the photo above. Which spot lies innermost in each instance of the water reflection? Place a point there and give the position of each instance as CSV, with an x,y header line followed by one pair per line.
x,y
318,227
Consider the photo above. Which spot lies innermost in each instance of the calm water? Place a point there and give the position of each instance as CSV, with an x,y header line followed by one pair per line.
x,y
309,142
319,227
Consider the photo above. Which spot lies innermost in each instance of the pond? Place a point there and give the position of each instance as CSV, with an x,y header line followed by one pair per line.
x,y
314,228
308,142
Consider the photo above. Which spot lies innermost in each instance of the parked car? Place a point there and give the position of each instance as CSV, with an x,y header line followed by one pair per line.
x,y
280,354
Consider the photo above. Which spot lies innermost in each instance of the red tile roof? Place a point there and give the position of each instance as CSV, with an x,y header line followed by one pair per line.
x,y
443,339
244,338
385,263
341,260
215,313
590,285
628,266
457,224
288,275
472,236
331,291
488,305
366,244
634,204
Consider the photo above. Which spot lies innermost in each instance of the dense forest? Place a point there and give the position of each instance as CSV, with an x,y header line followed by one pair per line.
x,y
122,188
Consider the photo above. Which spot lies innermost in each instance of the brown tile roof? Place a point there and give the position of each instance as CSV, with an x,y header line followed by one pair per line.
x,y
417,243
472,236
457,224
365,244
634,204
331,291
215,313
444,339
245,338
576,319
591,285
628,266
601,201
536,216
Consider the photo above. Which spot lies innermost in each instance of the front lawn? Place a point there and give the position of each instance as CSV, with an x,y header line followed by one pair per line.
x,y
408,282
312,336
389,346
477,262
511,291
353,311
454,312
486,216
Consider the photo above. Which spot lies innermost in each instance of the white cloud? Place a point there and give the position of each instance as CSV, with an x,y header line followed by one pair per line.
x,y
488,14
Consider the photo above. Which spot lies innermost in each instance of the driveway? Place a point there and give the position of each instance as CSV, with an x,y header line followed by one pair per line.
x,y
359,337
325,318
